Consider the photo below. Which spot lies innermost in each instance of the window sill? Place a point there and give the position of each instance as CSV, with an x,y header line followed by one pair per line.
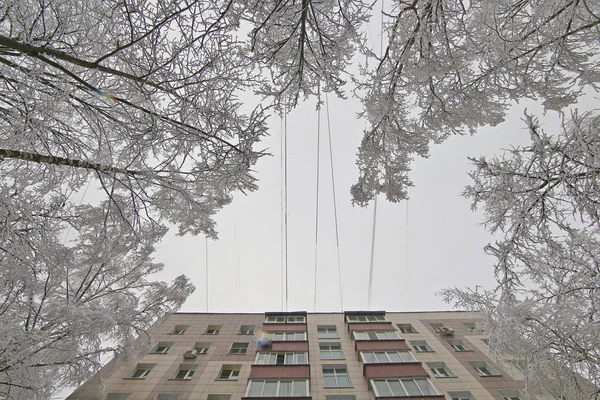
x,y
428,351
338,387
490,376
233,380
134,379
180,379
445,377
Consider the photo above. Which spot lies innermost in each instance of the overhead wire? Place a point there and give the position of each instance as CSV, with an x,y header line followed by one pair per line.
x,y
206,269
371,267
282,233
317,201
372,254
337,235
286,213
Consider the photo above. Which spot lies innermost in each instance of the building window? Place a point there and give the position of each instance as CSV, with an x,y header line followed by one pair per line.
x,y
178,330
285,336
440,370
212,330
461,396
162,347
327,332
141,371
421,346
246,330
281,358
469,325
402,387
511,394
375,335
366,318
185,371
218,397
116,396
277,388
167,396
390,356
331,351
336,376
201,347
292,319
229,372
406,328
459,345
238,348
483,368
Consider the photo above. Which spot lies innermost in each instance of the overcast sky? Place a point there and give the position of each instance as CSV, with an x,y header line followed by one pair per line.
x,y
433,243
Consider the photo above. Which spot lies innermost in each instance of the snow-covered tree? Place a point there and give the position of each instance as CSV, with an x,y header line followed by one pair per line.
x,y
138,99
452,66
543,202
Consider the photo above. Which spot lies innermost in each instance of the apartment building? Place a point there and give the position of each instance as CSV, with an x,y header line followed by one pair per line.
x,y
355,355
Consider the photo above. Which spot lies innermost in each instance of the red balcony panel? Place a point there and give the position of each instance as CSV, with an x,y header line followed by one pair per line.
x,y
366,345
280,371
284,327
370,326
394,370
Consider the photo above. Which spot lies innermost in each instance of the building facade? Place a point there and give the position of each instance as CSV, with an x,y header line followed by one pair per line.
x,y
359,355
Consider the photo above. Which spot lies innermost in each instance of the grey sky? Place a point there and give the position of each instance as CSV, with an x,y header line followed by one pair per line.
x,y
446,243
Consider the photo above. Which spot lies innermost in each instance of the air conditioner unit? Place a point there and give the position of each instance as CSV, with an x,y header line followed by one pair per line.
x,y
189,355
445,331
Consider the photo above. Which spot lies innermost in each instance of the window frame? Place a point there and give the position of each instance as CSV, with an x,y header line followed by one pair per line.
x,y
436,367
367,318
157,397
417,344
362,355
200,348
406,328
327,332
234,372
145,367
403,386
462,395
238,348
285,319
278,388
212,330
480,366
286,336
190,368
166,345
331,351
511,394
375,335
247,331
336,375
459,346
178,330
287,355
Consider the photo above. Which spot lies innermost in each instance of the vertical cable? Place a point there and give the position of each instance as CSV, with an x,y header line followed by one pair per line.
x,y
407,260
337,234
372,254
206,268
282,231
317,201
286,213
